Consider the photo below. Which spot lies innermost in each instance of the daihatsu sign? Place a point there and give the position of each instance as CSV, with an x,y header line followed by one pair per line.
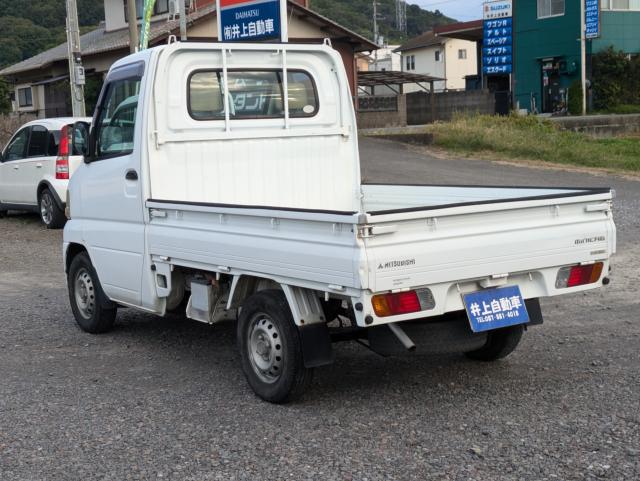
x,y
252,20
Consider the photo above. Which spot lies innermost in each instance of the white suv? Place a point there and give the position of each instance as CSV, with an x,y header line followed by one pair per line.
x,y
35,168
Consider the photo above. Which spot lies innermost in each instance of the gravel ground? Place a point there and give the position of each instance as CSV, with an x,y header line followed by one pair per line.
x,y
165,398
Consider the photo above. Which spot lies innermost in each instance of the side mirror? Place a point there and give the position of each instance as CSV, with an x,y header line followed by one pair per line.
x,y
80,140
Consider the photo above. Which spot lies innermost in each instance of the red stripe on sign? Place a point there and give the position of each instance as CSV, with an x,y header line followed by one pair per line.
x,y
233,3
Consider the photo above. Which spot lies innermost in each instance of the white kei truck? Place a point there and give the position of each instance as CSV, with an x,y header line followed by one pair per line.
x,y
224,180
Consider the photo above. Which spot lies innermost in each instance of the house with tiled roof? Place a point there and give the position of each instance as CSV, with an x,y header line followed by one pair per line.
x,y
41,83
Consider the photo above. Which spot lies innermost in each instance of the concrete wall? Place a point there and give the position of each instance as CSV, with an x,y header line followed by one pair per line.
x,y
601,125
446,104
388,118
416,108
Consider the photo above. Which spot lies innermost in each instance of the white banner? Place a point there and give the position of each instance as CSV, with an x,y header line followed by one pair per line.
x,y
497,9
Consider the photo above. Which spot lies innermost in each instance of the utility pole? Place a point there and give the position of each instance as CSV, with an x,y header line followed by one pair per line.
x,y
401,15
376,35
76,70
182,11
583,56
132,16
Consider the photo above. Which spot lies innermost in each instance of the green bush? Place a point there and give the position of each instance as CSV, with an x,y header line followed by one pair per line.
x,y
616,79
575,98
529,138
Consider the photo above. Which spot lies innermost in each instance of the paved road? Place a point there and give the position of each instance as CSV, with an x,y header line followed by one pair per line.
x,y
165,398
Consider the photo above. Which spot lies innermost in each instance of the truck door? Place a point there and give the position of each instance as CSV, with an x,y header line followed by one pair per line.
x,y
111,194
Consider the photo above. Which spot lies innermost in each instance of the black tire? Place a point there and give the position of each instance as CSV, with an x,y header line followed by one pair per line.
x,y
275,368
500,343
3,213
51,214
97,313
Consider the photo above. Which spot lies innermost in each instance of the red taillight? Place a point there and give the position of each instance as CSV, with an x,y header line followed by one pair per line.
x,y
62,161
574,276
395,304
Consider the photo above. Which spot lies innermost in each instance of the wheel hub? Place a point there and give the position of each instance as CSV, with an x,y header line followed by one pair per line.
x,y
265,349
46,207
84,293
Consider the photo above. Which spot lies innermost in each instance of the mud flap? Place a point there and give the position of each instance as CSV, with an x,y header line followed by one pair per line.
x,y
534,311
316,345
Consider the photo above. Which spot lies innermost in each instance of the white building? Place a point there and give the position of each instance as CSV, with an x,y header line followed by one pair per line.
x,y
448,58
385,59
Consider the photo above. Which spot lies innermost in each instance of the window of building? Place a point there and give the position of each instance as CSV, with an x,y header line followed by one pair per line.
x,y
550,8
462,53
116,122
160,7
410,62
252,94
24,97
438,55
621,5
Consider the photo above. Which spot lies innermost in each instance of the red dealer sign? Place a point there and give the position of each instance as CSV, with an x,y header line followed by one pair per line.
x,y
252,20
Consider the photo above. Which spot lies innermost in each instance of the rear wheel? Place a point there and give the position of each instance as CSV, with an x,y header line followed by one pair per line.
x,y
500,343
270,348
3,213
52,216
93,311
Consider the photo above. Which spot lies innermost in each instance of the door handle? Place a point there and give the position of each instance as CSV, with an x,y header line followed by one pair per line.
x,y
16,167
38,166
131,175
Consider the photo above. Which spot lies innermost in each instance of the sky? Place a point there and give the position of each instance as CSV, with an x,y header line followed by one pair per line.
x,y
463,10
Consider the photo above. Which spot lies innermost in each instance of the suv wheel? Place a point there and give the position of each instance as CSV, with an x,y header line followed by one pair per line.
x,y
52,216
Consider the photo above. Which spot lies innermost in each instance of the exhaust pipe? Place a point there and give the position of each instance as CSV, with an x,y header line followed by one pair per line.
x,y
402,337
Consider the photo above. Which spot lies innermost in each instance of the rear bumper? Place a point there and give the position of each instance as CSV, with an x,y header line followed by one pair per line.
x,y
448,295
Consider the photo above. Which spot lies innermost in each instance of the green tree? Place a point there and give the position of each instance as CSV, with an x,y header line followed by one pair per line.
x,y
21,38
612,85
357,15
52,13
5,92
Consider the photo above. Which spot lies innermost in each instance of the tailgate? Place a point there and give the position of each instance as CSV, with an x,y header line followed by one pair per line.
x,y
453,246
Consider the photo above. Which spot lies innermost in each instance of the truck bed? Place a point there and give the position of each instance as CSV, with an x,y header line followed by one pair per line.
x,y
457,239
380,199
445,237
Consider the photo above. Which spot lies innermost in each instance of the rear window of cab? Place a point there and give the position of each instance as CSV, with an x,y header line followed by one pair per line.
x,y
253,94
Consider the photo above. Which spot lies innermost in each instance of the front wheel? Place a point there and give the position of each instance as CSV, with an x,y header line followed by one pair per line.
x,y
93,311
500,343
270,349
52,216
